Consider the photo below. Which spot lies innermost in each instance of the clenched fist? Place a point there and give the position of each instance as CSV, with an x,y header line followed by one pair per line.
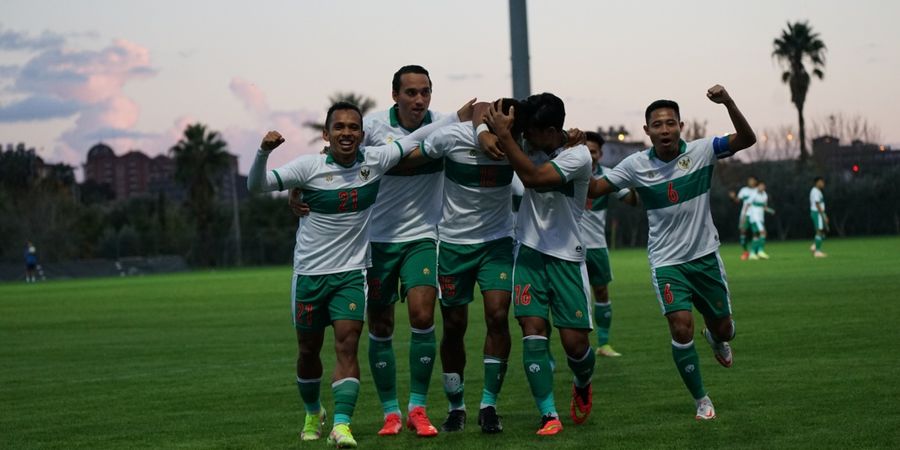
x,y
271,140
718,94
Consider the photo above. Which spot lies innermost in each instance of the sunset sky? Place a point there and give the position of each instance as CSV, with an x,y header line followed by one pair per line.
x,y
134,73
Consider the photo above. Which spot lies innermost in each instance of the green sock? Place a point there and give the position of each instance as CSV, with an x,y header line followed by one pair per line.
x,y
688,364
454,386
384,372
309,394
603,319
421,364
762,244
494,373
819,239
536,359
744,241
583,367
754,246
345,393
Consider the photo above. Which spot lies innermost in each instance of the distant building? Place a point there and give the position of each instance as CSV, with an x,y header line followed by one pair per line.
x,y
135,174
856,157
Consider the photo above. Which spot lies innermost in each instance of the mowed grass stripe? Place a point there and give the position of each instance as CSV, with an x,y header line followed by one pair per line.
x,y
206,360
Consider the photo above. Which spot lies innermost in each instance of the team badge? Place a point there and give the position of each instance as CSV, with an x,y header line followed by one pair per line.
x,y
503,275
364,173
352,307
684,163
426,271
389,140
329,178
579,314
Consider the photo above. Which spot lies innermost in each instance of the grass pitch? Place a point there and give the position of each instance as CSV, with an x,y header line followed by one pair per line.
x,y
206,360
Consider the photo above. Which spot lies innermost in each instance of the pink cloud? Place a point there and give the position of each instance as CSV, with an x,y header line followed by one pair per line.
x,y
250,94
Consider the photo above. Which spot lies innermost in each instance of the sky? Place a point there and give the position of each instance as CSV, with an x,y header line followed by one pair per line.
x,y
133,74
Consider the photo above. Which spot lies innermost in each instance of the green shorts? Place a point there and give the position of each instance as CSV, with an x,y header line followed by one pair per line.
x,y
543,284
700,282
597,261
461,265
318,300
409,264
818,220
757,227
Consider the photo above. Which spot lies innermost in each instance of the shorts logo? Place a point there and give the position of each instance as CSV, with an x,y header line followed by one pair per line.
x,y
579,314
374,289
352,307
667,294
689,368
364,173
503,276
448,285
719,304
380,365
534,368
425,360
684,163
578,249
426,271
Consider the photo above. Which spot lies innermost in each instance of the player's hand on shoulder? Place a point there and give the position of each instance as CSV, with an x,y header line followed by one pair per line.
x,y
465,113
718,94
575,137
271,141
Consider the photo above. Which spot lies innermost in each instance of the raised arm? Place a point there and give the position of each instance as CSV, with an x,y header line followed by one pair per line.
x,y
258,180
409,142
744,136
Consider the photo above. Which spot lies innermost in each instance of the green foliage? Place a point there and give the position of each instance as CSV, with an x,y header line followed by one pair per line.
x,y
206,360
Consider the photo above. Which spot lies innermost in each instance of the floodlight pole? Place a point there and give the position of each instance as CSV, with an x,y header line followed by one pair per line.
x,y
518,38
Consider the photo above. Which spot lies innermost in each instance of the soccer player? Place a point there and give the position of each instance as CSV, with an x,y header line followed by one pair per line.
x,y
819,218
475,245
404,252
332,253
673,180
757,217
30,262
549,273
593,234
743,198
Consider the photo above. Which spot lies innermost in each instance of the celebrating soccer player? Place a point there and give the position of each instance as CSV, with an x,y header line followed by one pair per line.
x,y
673,180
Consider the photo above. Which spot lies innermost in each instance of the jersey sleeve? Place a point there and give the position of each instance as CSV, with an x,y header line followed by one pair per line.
x,y
437,144
622,193
573,164
621,176
385,156
293,174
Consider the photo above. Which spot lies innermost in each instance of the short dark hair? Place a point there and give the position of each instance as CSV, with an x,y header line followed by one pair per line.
x,y
660,104
595,137
546,110
522,113
395,83
338,107
816,179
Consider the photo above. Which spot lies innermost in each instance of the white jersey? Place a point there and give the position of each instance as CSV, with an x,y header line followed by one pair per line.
x,y
334,236
548,218
675,195
593,224
476,189
758,203
409,201
816,196
744,196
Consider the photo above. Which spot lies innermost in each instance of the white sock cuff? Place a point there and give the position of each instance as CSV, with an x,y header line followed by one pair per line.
x,y
345,380
688,345
583,357
606,303
534,336
421,331
372,337
309,380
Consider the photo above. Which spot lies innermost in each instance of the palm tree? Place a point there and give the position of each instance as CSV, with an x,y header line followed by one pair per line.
x,y
200,159
365,104
796,45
